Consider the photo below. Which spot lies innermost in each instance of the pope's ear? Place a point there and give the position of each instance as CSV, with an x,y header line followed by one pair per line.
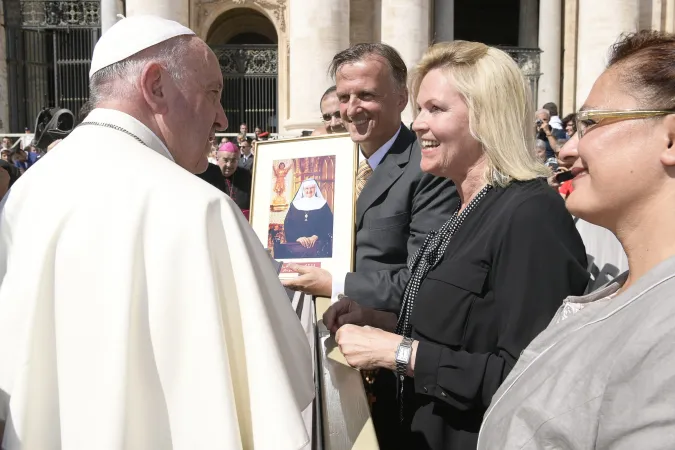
x,y
153,87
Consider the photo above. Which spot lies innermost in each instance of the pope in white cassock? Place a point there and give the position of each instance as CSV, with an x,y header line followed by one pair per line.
x,y
152,317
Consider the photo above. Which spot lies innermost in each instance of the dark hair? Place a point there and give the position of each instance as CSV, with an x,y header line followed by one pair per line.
x,y
243,138
359,52
330,90
570,118
551,108
649,70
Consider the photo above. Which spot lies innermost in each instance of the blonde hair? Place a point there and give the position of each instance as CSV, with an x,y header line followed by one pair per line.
x,y
499,102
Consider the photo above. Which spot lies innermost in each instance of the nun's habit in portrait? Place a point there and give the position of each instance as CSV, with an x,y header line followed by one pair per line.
x,y
309,222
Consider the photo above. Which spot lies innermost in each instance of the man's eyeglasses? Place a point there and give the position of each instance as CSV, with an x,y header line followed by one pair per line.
x,y
587,119
328,117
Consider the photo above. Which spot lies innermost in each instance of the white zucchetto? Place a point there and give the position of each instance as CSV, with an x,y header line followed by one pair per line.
x,y
132,35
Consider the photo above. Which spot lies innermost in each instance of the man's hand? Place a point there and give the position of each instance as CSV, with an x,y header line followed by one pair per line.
x,y
368,348
312,280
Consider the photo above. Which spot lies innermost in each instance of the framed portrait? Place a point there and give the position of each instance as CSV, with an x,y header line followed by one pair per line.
x,y
302,203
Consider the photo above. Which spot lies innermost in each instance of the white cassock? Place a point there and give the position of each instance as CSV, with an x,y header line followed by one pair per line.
x,y
138,310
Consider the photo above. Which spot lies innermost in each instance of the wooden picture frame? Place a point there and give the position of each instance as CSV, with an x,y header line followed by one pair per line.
x,y
303,201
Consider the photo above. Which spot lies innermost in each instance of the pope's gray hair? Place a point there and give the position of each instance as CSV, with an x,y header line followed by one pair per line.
x,y
121,79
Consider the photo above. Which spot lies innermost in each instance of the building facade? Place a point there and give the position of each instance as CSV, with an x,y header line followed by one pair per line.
x,y
275,53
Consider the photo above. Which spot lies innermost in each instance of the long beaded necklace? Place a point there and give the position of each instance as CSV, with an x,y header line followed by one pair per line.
x,y
425,259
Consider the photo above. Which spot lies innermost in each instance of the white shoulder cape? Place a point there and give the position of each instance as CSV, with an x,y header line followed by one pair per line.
x,y
138,310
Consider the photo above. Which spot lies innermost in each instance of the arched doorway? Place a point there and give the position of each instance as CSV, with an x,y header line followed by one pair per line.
x,y
245,42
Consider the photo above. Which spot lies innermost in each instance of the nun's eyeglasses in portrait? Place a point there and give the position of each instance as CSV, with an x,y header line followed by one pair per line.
x,y
587,119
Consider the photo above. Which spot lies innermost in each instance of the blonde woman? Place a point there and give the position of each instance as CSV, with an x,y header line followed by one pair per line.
x,y
490,279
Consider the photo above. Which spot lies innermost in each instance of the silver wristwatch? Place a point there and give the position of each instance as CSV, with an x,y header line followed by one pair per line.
x,y
403,354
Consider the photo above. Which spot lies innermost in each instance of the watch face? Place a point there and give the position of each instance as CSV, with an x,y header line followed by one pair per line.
x,y
403,354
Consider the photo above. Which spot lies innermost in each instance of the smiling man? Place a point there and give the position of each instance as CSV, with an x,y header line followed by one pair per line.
x,y
330,112
397,203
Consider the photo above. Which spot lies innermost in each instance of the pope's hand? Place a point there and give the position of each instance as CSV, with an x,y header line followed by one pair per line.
x,y
312,280
347,311
368,348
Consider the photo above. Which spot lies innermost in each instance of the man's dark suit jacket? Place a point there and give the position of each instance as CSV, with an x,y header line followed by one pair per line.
x,y
248,164
399,205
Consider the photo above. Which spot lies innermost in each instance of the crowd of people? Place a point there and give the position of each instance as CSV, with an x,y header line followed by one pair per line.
x,y
512,279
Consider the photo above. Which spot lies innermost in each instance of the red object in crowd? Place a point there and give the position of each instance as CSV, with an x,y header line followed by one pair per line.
x,y
245,212
566,188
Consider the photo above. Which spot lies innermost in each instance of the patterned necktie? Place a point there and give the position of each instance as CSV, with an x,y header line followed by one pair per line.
x,y
362,176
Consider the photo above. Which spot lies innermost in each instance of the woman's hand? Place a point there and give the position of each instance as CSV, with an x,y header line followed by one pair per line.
x,y
368,348
303,241
347,311
308,242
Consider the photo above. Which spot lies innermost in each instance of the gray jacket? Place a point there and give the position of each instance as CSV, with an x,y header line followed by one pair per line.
x,y
602,377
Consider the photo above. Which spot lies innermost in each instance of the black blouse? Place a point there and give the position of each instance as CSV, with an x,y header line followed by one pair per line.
x,y
502,278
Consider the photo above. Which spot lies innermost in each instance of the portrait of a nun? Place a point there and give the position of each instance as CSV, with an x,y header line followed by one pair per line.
x,y
309,222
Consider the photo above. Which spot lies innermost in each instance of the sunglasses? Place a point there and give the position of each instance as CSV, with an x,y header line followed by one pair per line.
x,y
587,119
329,117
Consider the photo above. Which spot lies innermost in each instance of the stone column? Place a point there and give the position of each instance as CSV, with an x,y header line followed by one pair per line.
x,y
178,10
663,15
318,30
361,22
598,30
550,42
109,11
528,23
669,19
444,20
570,57
406,27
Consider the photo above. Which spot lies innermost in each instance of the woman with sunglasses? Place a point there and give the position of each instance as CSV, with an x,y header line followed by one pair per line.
x,y
602,375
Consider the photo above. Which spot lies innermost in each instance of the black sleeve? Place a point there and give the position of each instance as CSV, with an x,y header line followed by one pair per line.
x,y
432,204
325,229
540,261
